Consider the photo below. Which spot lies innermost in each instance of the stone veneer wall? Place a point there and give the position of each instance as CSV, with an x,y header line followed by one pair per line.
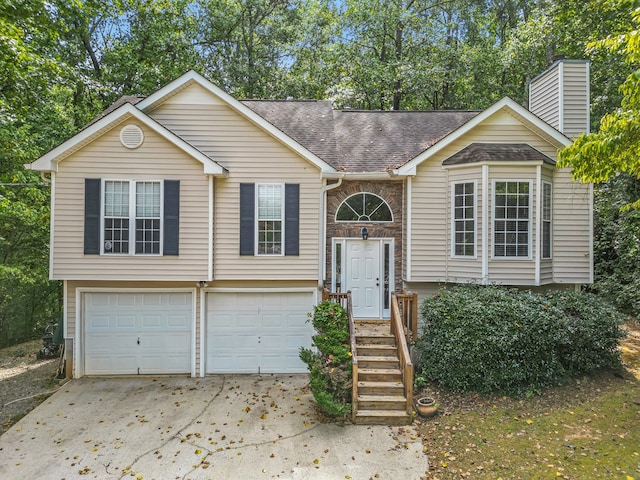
x,y
392,193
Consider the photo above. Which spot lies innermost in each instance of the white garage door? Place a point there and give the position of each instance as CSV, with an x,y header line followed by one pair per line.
x,y
137,333
250,332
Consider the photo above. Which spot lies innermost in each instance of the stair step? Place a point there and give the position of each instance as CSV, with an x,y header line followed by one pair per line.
x,y
379,374
382,402
384,417
380,388
377,350
376,339
376,361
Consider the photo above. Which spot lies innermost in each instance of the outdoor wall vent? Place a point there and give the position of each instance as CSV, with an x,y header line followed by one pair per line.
x,y
131,136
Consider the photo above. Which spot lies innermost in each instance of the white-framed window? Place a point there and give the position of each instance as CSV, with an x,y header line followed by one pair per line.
x,y
463,215
132,217
364,207
270,218
547,205
511,219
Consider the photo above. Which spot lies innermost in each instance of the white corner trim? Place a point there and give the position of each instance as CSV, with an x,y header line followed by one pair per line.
x,y
65,300
485,224
191,76
409,224
211,185
193,332
561,97
78,335
538,225
52,212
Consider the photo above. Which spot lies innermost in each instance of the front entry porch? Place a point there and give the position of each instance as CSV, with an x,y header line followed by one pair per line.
x,y
366,269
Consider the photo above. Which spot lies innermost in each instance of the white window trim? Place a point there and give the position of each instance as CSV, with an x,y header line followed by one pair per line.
x,y
542,220
493,219
475,220
257,220
132,217
384,202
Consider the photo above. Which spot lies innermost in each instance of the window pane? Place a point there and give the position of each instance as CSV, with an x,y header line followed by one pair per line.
x,y
463,219
148,199
269,202
116,199
364,207
511,202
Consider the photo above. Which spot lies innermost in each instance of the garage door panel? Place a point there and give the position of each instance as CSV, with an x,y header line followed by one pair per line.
x,y
127,332
249,332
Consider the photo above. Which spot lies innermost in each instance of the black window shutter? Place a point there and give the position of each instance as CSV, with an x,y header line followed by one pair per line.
x,y
292,219
92,216
247,218
171,217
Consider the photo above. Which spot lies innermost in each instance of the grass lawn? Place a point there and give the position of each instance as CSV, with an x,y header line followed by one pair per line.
x,y
587,429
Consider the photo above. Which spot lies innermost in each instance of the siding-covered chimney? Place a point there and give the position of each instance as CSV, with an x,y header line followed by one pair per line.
x,y
560,96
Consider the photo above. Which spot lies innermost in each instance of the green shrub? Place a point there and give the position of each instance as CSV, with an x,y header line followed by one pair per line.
x,y
500,340
330,365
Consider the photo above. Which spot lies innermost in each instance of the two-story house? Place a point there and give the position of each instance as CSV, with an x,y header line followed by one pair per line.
x,y
194,232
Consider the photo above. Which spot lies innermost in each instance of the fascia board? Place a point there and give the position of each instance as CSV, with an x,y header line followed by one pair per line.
x,y
183,81
524,115
49,162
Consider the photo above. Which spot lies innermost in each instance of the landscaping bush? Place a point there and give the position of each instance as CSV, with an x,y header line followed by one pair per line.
x,y
330,365
492,339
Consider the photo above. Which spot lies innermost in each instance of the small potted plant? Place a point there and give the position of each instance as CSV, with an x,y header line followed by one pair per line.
x,y
427,407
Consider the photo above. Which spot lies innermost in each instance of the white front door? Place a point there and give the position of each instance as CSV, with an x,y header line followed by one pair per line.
x,y
363,277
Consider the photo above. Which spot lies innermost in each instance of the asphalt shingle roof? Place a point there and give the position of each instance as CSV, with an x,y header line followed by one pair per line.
x,y
497,152
359,140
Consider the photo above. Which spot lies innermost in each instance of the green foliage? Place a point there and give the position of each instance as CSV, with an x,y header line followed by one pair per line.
x,y
616,246
499,340
615,147
330,365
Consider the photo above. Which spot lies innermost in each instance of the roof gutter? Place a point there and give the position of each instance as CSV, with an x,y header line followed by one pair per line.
x,y
322,231
359,176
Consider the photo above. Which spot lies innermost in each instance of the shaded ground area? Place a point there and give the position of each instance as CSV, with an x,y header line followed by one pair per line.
x,y
589,428
23,381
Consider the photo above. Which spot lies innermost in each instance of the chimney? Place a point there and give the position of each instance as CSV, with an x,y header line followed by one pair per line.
x,y
560,96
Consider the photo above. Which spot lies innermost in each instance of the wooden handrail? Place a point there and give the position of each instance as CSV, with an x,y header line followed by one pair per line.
x,y
408,306
406,366
344,299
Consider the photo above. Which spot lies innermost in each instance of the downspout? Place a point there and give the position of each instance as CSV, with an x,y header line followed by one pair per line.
x,y
322,231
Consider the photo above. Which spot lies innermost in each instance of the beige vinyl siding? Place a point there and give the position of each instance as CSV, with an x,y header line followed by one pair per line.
x,y
576,98
544,97
71,308
431,202
572,262
465,269
252,156
106,158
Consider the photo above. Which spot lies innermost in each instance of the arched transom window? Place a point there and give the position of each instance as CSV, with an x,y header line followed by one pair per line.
x,y
364,207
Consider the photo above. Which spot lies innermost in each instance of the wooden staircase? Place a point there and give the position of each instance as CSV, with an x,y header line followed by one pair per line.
x,y
379,392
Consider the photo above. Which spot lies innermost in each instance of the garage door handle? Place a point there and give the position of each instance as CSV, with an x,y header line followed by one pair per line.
x,y
138,340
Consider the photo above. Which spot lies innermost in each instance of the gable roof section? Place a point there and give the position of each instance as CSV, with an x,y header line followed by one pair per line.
x,y
497,152
191,77
522,114
49,162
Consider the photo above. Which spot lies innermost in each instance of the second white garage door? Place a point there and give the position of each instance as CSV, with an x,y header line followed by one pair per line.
x,y
257,332
130,333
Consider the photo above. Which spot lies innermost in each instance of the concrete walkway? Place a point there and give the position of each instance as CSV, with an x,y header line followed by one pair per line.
x,y
221,427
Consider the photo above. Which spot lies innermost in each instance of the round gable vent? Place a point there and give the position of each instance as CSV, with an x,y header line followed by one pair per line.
x,y
131,136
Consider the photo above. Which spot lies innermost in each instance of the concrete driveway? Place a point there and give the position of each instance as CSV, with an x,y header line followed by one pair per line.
x,y
221,427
